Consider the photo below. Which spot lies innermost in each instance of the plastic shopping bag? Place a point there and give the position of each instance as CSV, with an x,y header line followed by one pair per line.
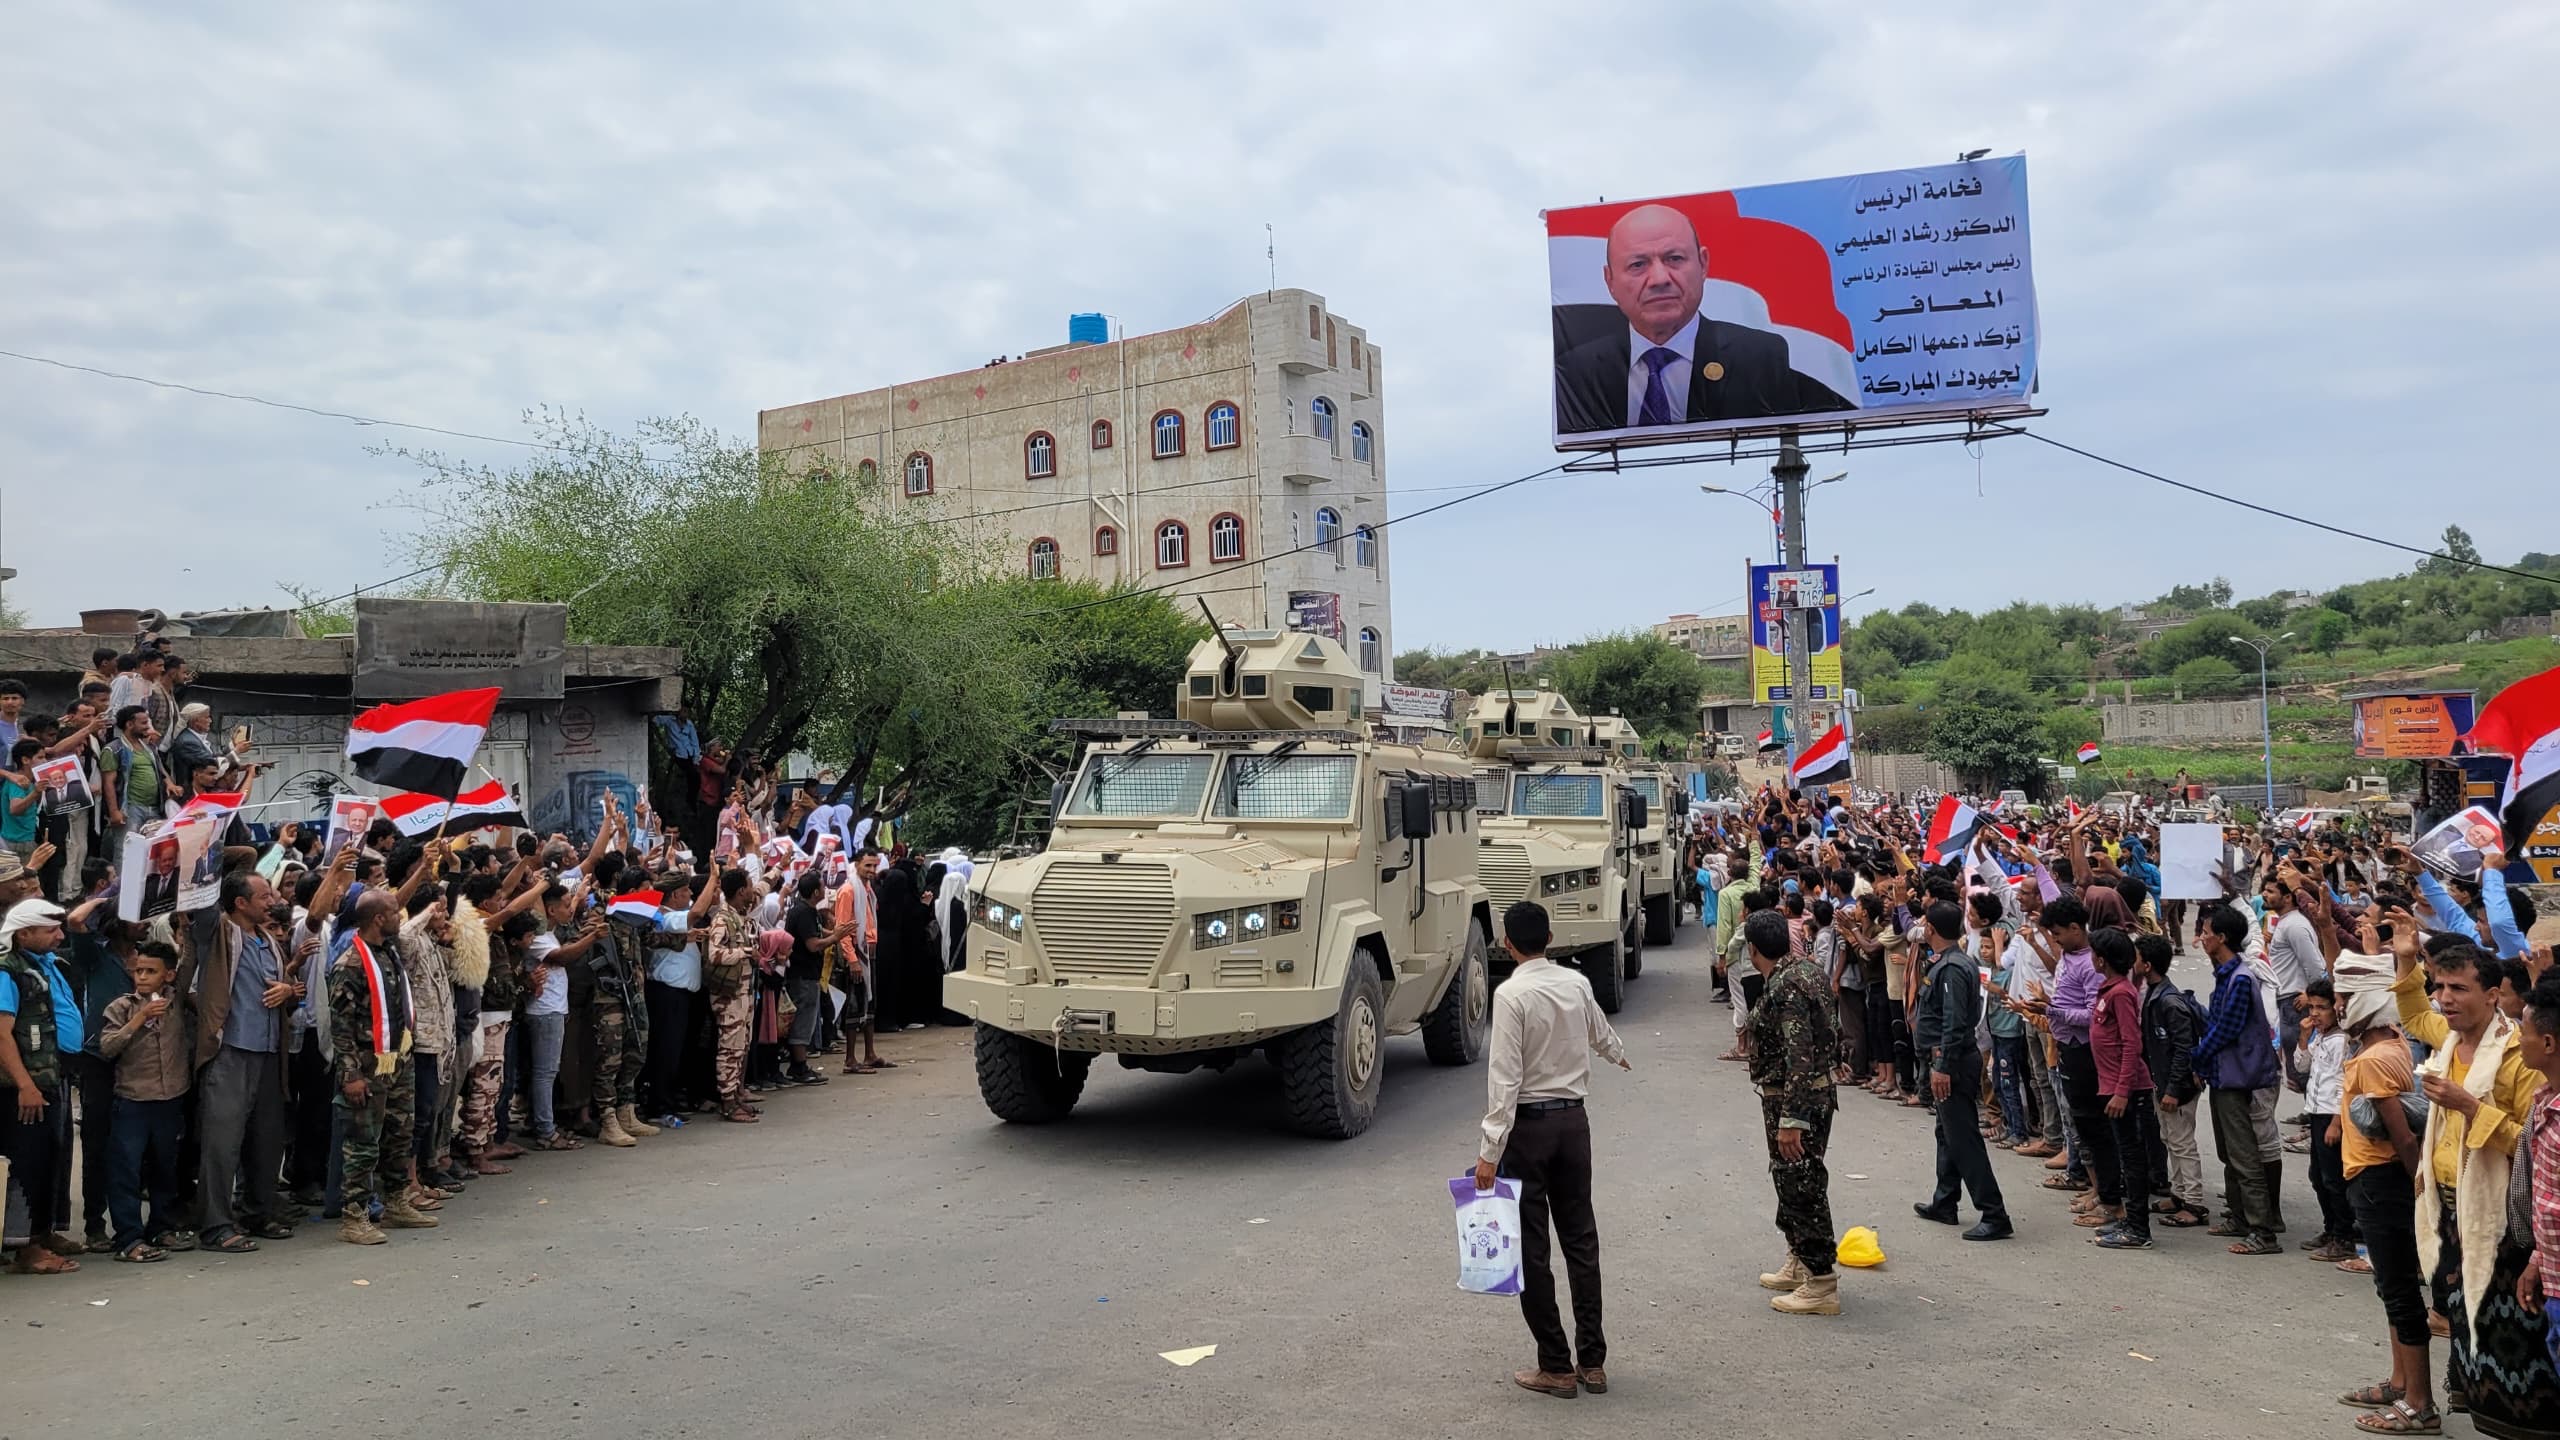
x,y
1488,1235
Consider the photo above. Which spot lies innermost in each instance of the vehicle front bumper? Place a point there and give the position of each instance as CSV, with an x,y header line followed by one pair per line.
x,y
1135,1020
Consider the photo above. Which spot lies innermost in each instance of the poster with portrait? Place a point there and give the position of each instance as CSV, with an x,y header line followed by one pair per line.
x,y
1858,300
1783,596
64,786
2456,846
148,878
349,817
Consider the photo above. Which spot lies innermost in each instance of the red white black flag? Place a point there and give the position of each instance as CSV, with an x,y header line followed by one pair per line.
x,y
1824,762
2523,724
423,746
1950,829
420,816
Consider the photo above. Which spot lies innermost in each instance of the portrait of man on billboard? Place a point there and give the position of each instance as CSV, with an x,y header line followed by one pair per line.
x,y
1655,361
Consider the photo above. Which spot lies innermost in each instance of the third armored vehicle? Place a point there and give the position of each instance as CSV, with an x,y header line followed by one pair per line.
x,y
1255,875
1658,843
1558,824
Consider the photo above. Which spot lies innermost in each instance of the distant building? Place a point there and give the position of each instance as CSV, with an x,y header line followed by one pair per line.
x,y
1183,456
1710,637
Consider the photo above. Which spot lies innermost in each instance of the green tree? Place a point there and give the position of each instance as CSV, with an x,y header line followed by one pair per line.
x,y
2459,556
2067,728
1894,729
1653,683
1990,746
2208,676
2325,630
1909,640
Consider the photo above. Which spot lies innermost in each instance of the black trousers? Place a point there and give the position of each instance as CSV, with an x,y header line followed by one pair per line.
x,y
94,1077
2089,1118
2388,1218
307,1144
2137,1134
2329,1183
670,1022
37,1149
1550,1155
1963,1159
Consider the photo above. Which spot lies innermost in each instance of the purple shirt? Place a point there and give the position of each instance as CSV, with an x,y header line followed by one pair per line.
x,y
2075,997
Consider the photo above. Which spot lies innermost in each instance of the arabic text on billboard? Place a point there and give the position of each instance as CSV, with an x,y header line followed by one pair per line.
x,y
1898,295
1416,702
1810,595
2410,727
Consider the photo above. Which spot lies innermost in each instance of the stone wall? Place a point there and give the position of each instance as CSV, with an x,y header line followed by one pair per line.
x,y
2147,722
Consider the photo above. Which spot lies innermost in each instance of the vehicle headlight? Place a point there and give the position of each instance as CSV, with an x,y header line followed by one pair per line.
x,y
1256,921
1591,878
1284,916
1550,884
994,914
1013,921
1212,929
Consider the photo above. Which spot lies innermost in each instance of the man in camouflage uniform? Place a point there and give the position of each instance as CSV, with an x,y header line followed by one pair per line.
x,y
729,976
377,1103
621,1019
1795,1041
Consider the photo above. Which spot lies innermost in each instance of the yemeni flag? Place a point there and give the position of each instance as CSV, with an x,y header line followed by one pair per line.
x,y
1824,762
640,906
2089,753
424,746
2523,723
1951,829
1769,742
420,816
212,802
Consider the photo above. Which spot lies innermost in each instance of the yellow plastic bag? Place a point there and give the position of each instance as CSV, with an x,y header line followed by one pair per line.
x,y
1859,1250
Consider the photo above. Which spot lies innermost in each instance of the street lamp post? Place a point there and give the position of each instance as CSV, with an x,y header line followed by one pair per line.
x,y
2266,729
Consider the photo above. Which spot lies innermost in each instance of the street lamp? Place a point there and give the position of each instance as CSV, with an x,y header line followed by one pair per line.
x,y
2266,730
1765,507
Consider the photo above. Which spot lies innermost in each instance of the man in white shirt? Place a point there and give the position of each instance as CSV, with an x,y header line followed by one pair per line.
x,y
2293,953
1546,1027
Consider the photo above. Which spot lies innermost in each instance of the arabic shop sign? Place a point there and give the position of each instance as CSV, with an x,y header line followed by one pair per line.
x,y
409,648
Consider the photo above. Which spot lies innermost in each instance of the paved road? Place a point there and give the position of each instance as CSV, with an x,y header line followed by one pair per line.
x,y
882,1259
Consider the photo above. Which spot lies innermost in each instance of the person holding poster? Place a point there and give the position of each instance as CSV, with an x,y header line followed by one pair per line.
x,y
152,876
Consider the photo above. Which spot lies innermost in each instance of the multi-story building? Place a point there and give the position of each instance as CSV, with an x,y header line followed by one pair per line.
x,y
1715,637
1241,460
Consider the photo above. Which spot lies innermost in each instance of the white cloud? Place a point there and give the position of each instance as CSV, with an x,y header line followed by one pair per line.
x,y
2300,259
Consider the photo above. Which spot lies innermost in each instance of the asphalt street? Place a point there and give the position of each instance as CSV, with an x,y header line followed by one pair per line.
x,y
881,1258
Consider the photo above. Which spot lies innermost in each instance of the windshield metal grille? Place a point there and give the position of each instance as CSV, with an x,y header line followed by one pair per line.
x,y
1115,785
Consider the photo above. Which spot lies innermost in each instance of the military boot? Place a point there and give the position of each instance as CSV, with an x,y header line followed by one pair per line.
x,y
399,1214
357,1230
632,1124
610,1132
1818,1295
1787,1276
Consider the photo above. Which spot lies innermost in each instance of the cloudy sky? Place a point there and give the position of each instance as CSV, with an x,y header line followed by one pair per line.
x,y
2304,254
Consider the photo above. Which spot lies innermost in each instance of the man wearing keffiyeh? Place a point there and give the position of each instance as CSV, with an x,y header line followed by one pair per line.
x,y
369,1030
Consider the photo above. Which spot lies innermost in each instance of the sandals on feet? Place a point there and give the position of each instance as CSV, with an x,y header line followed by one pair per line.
x,y
2374,1397
139,1253
2182,1218
2256,1245
234,1243
2398,1419
559,1140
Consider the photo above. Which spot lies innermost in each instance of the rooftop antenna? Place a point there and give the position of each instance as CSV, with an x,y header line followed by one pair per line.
x,y
1271,253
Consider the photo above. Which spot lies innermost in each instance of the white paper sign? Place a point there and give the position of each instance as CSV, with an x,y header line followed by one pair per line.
x,y
2191,861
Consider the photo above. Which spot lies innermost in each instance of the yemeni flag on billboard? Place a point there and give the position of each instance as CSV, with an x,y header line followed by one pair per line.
x,y
421,745
2523,724
420,816
1824,762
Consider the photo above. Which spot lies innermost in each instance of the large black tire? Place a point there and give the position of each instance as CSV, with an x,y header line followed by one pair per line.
x,y
1330,1073
1635,941
1661,916
1025,1082
1455,1031
1607,972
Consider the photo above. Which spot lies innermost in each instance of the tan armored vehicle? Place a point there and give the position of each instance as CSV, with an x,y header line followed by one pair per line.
x,y
1255,875
1557,823
1656,852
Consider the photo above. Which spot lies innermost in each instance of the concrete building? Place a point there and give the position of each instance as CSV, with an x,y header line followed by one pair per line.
x,y
1199,456
1709,637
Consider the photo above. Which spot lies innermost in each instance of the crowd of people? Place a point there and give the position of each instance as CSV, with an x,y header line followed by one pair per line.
x,y
362,1033
2017,987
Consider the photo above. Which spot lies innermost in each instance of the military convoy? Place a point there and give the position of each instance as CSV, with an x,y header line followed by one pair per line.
x,y
1657,844
1255,875
1559,823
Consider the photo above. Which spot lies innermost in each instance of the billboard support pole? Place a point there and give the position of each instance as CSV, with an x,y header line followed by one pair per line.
x,y
1789,472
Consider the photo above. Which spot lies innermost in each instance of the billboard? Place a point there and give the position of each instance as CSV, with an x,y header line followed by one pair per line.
x,y
2414,726
1898,295
1415,702
1781,592
1317,611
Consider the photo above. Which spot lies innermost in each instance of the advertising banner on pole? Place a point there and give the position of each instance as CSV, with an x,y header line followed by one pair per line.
x,y
1864,299
1780,591
2420,725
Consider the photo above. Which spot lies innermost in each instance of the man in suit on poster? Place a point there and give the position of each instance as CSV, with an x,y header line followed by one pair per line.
x,y
1668,365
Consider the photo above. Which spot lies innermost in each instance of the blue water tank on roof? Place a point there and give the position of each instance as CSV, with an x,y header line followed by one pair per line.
x,y
1091,329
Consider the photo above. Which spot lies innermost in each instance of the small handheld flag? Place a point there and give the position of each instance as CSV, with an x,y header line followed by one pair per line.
x,y
2089,753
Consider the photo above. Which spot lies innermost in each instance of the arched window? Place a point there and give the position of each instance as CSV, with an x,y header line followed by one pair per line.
x,y
1106,540
1364,548
868,472
1101,434
1226,538
1329,532
1173,545
1168,428
1322,410
1044,559
1363,446
1224,432
1369,647
919,474
1039,456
